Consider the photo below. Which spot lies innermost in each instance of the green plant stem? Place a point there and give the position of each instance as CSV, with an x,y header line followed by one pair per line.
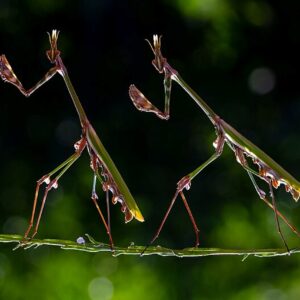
x,y
92,246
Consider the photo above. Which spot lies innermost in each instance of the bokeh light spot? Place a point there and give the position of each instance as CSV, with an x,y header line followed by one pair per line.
x,y
208,9
261,81
258,13
100,288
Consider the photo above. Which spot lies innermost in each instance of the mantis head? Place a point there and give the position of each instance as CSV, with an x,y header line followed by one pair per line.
x,y
53,53
158,61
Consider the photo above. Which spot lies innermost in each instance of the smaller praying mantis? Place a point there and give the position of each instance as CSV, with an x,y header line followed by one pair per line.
x,y
268,169
102,165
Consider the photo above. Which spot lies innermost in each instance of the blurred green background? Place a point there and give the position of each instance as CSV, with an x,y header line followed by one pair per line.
x,y
241,56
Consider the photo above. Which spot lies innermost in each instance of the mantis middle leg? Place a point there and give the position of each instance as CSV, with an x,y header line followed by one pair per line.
x,y
79,146
185,183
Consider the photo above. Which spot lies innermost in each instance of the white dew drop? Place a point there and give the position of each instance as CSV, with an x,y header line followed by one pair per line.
x,y
80,240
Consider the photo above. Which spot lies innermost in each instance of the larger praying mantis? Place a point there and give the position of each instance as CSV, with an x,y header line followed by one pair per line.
x,y
268,170
102,165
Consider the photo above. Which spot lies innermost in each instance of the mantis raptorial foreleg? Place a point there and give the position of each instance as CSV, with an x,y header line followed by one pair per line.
x,y
8,75
269,170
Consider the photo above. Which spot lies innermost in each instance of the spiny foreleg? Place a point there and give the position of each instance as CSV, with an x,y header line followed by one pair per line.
x,y
7,74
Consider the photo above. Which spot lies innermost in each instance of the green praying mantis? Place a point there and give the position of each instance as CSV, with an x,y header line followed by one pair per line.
x,y
107,174
268,170
103,167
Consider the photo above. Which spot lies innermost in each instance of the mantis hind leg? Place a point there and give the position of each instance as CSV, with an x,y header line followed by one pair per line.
x,y
276,215
95,198
262,195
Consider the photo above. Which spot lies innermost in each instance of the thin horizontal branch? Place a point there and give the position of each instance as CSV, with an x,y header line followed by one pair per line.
x,y
88,244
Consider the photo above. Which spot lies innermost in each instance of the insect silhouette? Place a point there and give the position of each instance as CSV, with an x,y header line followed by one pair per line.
x,y
268,170
104,169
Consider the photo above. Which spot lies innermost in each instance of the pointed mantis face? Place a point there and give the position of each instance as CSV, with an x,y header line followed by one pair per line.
x,y
159,61
53,53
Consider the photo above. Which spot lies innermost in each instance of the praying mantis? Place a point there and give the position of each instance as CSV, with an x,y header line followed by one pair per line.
x,y
102,165
268,170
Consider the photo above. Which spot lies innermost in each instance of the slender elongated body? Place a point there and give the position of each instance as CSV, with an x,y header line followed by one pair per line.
x,y
235,140
102,165
268,169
